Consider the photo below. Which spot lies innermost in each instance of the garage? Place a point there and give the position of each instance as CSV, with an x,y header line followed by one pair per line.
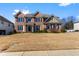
x,y
2,32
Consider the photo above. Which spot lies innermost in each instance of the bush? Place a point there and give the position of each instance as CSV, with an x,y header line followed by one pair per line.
x,y
76,30
63,30
41,31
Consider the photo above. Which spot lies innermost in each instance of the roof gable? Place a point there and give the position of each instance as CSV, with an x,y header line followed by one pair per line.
x,y
37,14
54,20
18,13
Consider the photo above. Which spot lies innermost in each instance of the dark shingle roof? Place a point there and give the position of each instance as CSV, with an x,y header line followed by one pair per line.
x,y
33,15
4,19
29,15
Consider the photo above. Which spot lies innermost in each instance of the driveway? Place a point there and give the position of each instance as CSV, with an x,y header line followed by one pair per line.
x,y
43,53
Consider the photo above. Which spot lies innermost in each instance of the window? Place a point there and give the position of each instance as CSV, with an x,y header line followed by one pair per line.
x,y
20,27
28,19
20,19
2,22
9,25
37,19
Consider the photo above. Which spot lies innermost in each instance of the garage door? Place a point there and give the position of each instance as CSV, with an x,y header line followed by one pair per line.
x,y
2,32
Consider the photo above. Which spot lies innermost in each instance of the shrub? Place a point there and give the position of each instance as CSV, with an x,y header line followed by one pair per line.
x,y
41,31
63,30
76,30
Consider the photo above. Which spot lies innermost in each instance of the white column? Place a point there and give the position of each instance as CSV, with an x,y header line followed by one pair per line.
x,y
59,27
32,29
24,28
52,26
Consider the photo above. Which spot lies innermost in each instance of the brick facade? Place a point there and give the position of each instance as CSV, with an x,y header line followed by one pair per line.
x,y
32,26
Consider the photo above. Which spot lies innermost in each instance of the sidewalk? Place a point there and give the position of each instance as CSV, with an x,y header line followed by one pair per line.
x,y
43,53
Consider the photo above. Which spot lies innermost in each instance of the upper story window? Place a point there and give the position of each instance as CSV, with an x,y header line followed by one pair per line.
x,y
9,25
20,19
37,19
20,27
28,19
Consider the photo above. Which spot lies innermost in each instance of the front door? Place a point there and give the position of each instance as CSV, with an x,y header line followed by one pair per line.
x,y
29,28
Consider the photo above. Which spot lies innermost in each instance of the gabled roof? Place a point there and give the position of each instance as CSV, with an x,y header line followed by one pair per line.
x,y
45,15
42,15
53,19
32,15
4,19
49,17
36,13
17,13
29,15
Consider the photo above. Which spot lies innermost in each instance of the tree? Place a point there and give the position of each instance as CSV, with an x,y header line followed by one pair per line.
x,y
69,18
69,25
68,22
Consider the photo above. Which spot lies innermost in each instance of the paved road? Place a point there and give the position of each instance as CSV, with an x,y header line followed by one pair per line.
x,y
43,53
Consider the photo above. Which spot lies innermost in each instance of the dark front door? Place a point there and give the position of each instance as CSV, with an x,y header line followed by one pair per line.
x,y
2,32
29,28
37,28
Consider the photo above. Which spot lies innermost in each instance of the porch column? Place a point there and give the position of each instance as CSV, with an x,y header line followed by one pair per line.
x,y
32,28
54,27
42,19
60,28
51,26
57,26
24,28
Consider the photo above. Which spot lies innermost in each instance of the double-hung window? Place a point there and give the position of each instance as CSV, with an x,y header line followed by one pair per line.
x,y
37,19
20,27
20,19
28,19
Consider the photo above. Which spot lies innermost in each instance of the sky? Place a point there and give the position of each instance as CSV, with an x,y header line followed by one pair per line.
x,y
61,10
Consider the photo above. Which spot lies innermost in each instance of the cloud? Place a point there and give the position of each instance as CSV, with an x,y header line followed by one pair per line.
x,y
15,11
64,4
26,11
23,11
77,18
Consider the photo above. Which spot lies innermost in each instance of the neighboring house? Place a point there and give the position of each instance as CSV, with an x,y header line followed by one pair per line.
x,y
76,26
6,26
36,22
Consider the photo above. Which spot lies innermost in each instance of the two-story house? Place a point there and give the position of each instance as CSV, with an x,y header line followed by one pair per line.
x,y
37,22
6,26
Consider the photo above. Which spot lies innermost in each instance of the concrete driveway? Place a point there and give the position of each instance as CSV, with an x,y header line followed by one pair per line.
x,y
43,53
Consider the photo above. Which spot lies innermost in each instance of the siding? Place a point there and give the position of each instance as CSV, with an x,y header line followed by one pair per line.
x,y
5,27
76,26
